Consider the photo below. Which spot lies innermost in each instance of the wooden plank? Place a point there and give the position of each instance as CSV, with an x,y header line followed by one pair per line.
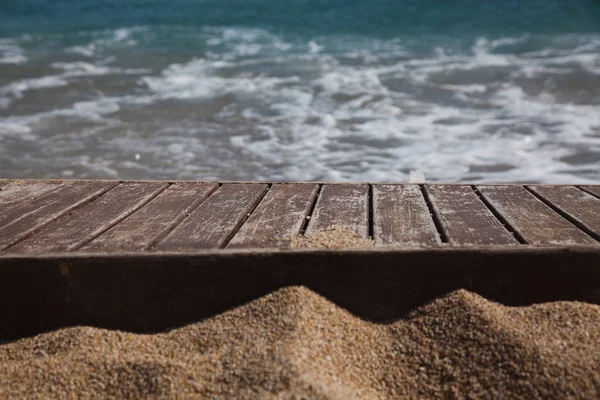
x,y
278,218
533,220
401,217
26,214
595,190
464,217
151,223
577,204
86,223
18,194
213,223
153,292
344,206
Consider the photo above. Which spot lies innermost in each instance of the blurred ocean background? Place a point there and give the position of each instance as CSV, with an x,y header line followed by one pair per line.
x,y
328,90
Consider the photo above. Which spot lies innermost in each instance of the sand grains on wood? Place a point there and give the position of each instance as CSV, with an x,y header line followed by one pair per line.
x,y
295,344
333,237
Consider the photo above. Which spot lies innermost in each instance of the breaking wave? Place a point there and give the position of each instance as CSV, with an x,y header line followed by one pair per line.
x,y
236,103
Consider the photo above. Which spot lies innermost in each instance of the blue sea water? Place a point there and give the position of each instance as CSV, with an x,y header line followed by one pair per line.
x,y
380,90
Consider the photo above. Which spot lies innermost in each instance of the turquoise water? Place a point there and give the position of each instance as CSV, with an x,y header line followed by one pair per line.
x,y
309,17
301,90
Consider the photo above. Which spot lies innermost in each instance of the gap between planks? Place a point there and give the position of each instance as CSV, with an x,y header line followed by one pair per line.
x,y
180,220
594,191
119,218
309,214
28,233
556,208
507,225
248,214
434,216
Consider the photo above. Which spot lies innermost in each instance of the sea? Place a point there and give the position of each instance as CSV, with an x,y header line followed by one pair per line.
x,y
301,90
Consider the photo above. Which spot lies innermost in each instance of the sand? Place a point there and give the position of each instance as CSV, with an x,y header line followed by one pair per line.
x,y
295,344
334,237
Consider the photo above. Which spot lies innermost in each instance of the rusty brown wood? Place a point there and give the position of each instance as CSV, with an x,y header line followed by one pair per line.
x,y
26,216
536,222
18,194
581,207
86,223
343,206
278,218
464,218
401,217
153,221
595,190
213,223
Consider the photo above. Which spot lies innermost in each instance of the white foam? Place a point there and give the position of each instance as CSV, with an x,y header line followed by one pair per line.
x,y
16,90
314,48
81,68
11,53
353,109
196,80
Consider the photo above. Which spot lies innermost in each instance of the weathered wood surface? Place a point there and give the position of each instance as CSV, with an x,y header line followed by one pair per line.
x,y
464,218
214,223
401,217
343,206
41,217
153,221
580,206
16,194
278,218
88,222
595,190
533,220
42,206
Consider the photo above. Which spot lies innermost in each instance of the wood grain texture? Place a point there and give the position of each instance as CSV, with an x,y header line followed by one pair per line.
x,y
595,190
91,220
278,218
342,205
29,212
577,204
213,223
401,217
18,194
153,221
536,222
464,217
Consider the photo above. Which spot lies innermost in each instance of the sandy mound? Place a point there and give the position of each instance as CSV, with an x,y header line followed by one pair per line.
x,y
294,344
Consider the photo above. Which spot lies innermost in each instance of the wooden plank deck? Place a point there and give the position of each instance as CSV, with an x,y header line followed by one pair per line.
x,y
39,217
144,256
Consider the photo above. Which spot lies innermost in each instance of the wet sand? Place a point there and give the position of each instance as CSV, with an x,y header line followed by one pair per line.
x,y
295,344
